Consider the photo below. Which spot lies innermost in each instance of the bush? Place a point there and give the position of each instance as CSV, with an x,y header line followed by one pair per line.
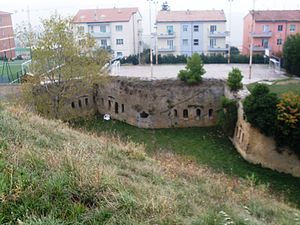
x,y
288,126
227,117
194,70
291,54
235,79
260,109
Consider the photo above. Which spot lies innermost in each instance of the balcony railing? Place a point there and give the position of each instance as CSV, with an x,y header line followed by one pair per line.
x,y
262,35
101,34
167,35
259,48
168,49
218,34
217,49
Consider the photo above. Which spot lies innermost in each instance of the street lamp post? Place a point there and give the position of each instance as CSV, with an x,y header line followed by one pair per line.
x,y
150,27
229,47
251,45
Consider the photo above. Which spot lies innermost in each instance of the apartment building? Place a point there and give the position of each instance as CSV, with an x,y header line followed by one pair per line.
x,y
118,29
7,41
270,30
187,32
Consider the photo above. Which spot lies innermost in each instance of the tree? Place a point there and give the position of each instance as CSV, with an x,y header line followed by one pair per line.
x,y
235,79
288,126
194,70
165,6
234,50
260,109
291,54
67,63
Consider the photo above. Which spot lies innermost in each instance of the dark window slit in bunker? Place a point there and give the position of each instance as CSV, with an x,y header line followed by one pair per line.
x,y
144,115
94,99
73,105
86,101
79,103
109,104
116,108
210,113
185,113
123,108
175,113
198,112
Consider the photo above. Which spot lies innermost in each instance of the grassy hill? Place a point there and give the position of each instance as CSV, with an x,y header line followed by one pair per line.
x,y
52,174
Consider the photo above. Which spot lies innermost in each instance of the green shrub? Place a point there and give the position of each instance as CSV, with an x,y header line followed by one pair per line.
x,y
227,117
235,79
291,54
260,109
194,70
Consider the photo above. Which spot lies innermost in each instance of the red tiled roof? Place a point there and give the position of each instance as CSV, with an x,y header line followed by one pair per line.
x,y
191,15
277,15
104,15
4,13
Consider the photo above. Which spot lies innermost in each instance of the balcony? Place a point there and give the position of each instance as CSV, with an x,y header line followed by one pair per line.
x,y
218,34
217,49
100,34
168,49
259,48
262,35
167,35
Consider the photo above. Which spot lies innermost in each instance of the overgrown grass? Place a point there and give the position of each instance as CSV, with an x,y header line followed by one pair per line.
x,y
52,174
206,146
282,86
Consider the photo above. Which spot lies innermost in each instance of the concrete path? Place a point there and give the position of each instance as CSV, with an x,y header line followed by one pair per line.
x,y
220,71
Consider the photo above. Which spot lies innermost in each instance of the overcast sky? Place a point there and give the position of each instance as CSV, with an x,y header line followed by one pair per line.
x,y
43,8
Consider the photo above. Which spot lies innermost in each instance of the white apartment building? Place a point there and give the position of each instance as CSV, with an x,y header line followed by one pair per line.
x,y
118,29
187,32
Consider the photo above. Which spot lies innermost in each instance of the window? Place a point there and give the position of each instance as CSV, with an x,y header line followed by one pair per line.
x,y
91,29
109,104
196,28
119,28
185,28
185,113
175,113
103,28
120,41
86,101
266,28
196,42
198,112
293,28
265,43
79,103
103,43
73,105
213,28
0,20
185,42
144,115
280,27
94,99
170,44
170,29
123,108
212,42
210,113
119,54
279,41
116,108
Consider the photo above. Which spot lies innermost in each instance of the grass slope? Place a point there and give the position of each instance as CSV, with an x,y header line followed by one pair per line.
x,y
205,146
52,174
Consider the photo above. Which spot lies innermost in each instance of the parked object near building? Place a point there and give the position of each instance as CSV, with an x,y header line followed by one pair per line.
x,y
117,29
270,30
7,42
187,32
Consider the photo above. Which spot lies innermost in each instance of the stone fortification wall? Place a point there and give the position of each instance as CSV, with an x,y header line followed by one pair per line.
x,y
161,103
260,149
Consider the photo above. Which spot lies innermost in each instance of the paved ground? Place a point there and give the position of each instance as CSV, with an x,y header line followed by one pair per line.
x,y
259,72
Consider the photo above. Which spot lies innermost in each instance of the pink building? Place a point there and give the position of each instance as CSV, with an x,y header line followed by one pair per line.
x,y
7,41
270,30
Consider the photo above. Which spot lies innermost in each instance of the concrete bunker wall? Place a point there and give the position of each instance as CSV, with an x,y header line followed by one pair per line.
x,y
161,103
